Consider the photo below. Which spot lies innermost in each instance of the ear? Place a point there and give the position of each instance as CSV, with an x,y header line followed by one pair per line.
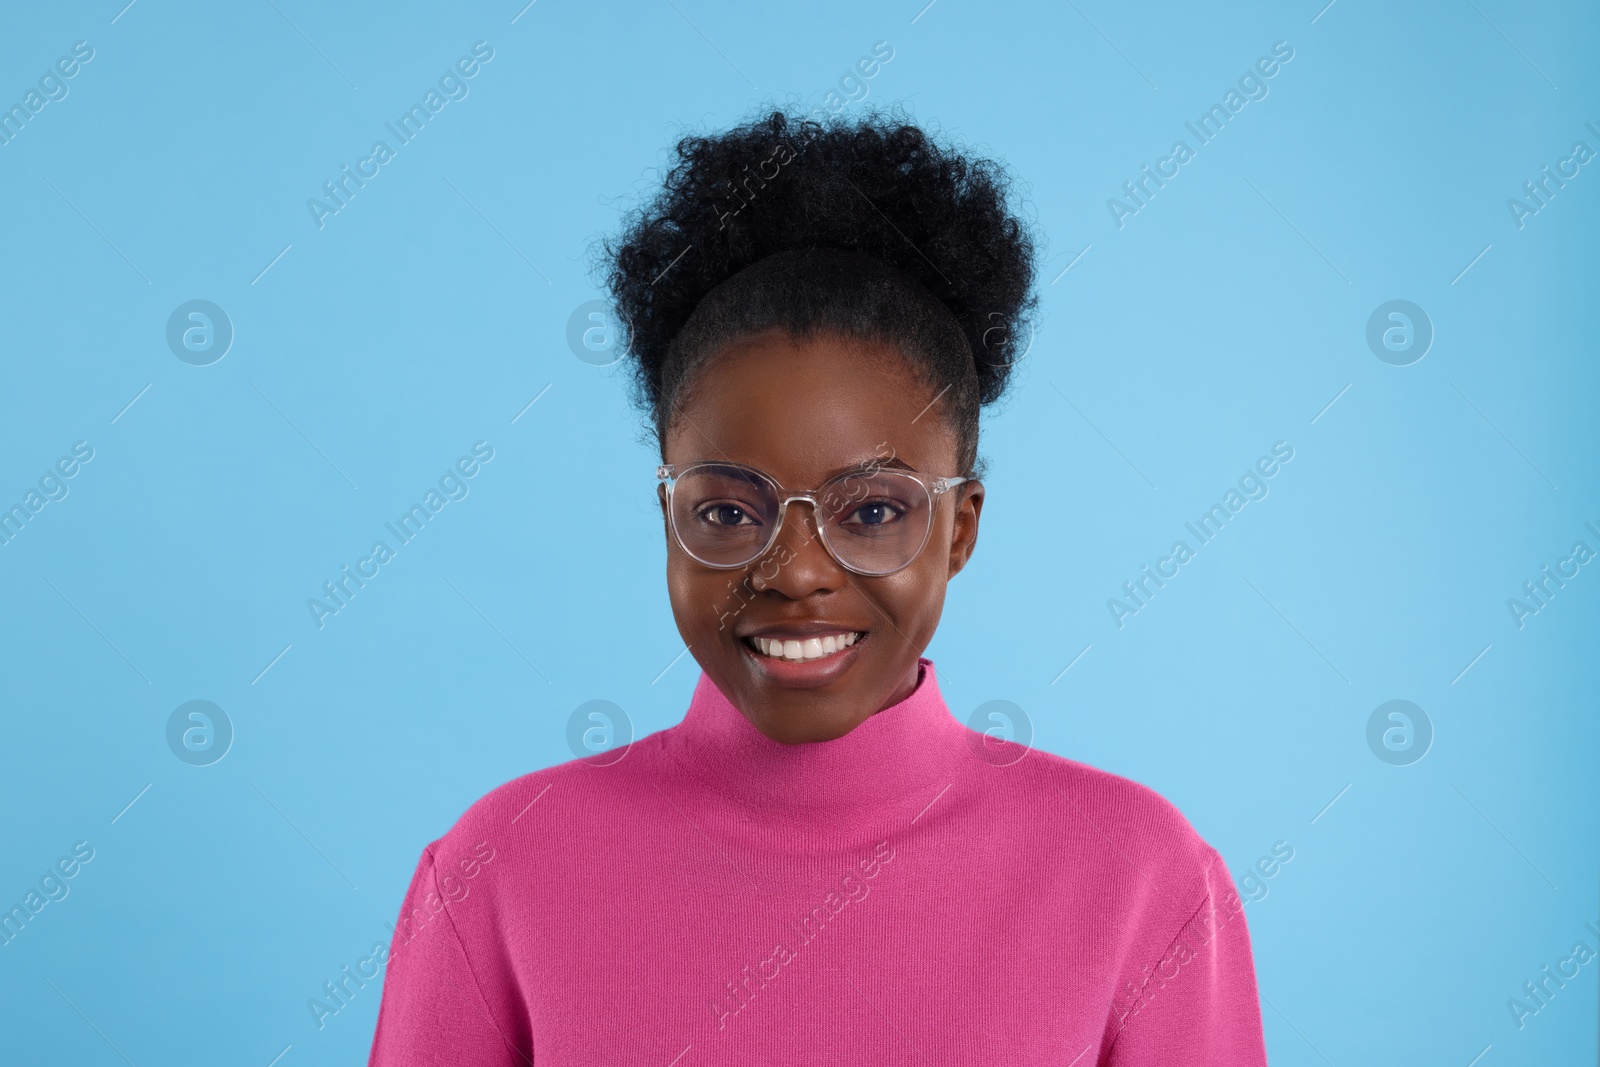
x,y
964,533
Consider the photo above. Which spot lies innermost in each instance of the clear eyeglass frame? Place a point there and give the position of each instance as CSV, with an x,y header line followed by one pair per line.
x,y
934,486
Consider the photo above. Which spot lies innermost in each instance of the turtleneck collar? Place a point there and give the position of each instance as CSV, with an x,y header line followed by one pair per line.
x,y
896,753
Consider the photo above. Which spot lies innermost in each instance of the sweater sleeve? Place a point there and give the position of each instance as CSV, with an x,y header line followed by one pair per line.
x,y
1196,1005
433,1009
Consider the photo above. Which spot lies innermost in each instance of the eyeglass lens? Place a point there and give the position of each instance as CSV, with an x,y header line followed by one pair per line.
x,y
874,521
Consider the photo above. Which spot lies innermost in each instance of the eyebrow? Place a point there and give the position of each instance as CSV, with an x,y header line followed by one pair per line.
x,y
870,463
876,461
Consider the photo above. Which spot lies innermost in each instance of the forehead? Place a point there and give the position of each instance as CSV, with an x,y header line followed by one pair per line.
x,y
803,410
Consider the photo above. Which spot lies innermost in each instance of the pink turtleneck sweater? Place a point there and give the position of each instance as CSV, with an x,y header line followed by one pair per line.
x,y
900,895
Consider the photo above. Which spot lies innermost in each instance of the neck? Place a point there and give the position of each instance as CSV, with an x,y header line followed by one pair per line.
x,y
891,758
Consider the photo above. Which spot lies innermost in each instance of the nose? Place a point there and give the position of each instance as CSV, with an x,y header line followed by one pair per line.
x,y
798,564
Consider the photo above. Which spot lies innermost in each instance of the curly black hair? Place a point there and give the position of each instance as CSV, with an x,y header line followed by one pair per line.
x,y
868,228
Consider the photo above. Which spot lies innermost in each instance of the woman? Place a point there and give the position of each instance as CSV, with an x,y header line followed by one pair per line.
x,y
820,864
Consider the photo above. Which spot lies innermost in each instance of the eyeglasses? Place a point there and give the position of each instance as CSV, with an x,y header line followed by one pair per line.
x,y
872,520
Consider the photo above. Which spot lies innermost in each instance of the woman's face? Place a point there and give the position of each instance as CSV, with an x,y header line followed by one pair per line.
x,y
804,411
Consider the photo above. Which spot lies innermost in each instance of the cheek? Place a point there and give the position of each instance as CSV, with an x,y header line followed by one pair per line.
x,y
687,591
934,562
928,578
705,603
913,599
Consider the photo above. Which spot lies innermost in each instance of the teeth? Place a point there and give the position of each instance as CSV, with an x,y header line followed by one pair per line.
x,y
810,648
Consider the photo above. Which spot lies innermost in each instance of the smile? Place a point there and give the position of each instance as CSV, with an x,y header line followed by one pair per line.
x,y
814,647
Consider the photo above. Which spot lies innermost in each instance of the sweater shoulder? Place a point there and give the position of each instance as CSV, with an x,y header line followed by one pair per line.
x,y
1128,818
509,810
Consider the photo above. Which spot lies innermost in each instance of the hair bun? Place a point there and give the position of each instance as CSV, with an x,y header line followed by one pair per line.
x,y
877,184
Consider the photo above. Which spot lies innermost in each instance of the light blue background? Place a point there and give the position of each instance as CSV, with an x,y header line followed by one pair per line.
x,y
1223,317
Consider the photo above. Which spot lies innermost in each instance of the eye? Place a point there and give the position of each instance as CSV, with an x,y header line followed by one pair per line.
x,y
875,513
726,513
